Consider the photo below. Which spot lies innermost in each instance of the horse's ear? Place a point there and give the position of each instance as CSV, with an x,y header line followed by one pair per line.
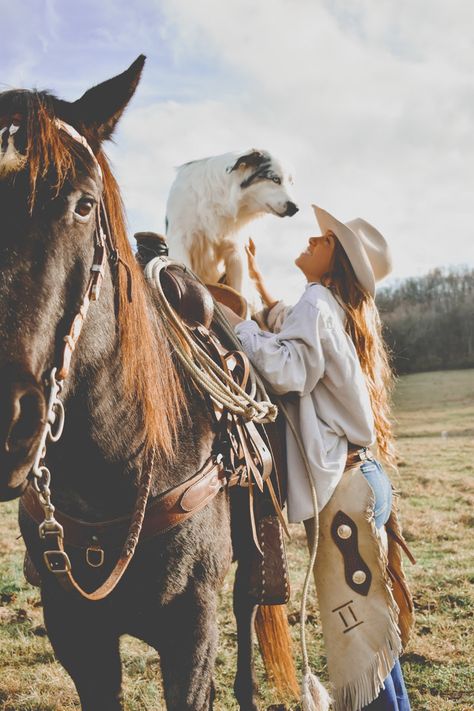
x,y
250,160
100,108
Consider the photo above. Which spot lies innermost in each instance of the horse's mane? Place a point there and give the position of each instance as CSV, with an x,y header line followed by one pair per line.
x,y
149,374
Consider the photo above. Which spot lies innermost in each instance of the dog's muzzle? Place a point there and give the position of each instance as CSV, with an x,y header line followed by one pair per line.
x,y
291,209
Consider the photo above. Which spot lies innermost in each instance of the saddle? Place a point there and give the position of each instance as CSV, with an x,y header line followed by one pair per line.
x,y
194,302
190,299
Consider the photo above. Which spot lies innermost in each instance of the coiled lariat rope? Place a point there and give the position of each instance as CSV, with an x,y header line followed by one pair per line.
x,y
314,697
207,375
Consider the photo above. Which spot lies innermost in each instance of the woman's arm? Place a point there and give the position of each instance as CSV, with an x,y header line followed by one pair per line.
x,y
292,360
257,277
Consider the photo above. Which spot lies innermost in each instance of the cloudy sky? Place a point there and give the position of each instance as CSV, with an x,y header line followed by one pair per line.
x,y
371,102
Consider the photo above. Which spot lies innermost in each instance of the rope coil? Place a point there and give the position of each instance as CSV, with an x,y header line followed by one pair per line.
x,y
207,375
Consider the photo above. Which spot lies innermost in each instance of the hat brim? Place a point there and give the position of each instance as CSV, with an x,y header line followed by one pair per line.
x,y
352,246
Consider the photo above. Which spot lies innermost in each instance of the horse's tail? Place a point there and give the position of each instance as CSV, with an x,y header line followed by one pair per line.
x,y
274,639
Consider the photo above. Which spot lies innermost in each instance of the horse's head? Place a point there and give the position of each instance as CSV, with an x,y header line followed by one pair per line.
x,y
50,185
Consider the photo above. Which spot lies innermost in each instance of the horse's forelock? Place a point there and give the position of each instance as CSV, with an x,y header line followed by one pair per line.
x,y
47,152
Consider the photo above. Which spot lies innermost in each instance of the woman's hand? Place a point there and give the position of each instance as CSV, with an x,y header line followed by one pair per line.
x,y
254,272
256,275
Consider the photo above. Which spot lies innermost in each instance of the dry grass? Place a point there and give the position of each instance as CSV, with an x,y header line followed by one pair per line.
x,y
435,404
437,485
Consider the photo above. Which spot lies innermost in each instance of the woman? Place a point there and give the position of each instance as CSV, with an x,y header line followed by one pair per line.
x,y
327,355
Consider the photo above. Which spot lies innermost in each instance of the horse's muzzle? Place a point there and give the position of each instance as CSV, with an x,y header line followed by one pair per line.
x,y
22,413
8,493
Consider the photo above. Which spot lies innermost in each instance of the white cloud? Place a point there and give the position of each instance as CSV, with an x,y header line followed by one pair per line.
x,y
374,109
371,102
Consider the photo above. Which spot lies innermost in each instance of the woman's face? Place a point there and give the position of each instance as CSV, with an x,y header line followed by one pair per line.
x,y
317,258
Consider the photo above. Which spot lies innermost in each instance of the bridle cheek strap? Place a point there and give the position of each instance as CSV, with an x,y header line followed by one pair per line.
x,y
91,294
106,237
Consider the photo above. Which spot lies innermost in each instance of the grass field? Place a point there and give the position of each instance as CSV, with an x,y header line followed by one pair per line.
x,y
435,415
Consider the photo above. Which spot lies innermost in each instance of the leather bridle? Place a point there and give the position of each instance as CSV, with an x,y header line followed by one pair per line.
x,y
56,558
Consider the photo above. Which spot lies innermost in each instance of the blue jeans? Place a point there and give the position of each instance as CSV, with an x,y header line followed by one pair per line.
x,y
382,488
394,696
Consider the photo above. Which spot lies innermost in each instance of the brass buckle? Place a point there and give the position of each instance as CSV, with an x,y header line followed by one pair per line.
x,y
365,455
50,527
237,477
57,561
91,552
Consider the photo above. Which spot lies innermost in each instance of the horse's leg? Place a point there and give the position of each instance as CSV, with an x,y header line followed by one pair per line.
x,y
89,651
244,610
188,649
245,686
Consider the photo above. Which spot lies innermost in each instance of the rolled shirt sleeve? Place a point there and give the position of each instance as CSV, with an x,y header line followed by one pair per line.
x,y
291,360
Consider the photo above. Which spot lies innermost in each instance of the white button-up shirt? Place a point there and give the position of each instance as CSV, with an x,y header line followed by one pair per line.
x,y
311,357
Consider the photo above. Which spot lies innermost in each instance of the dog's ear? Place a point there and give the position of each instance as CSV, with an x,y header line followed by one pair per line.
x,y
249,160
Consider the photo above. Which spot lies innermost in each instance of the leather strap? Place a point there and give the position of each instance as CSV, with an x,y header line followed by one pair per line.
x,y
91,294
162,514
166,512
345,536
356,455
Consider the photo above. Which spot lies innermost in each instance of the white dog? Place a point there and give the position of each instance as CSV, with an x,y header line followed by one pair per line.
x,y
212,199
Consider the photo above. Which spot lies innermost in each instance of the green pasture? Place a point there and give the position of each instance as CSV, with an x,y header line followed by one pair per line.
x,y
435,422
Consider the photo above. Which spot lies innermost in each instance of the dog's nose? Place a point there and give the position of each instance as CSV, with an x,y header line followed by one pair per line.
x,y
291,209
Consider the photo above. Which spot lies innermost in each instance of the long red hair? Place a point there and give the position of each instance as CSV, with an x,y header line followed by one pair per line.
x,y
365,329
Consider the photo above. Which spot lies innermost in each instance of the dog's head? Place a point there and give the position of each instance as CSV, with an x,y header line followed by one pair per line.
x,y
264,184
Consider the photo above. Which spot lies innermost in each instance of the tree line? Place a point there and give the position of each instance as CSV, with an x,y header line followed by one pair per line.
x,y
428,321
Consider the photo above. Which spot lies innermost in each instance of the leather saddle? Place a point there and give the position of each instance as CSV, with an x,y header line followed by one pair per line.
x,y
193,301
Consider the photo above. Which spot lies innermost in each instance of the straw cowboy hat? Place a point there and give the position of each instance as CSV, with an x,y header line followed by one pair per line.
x,y
367,250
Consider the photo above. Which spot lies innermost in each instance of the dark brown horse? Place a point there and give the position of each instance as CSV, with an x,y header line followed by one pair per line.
x,y
124,397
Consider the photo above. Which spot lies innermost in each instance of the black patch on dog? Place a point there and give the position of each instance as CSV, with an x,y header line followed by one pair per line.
x,y
264,172
250,160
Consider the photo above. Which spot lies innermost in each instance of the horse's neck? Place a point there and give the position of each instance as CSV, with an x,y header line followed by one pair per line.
x,y
97,463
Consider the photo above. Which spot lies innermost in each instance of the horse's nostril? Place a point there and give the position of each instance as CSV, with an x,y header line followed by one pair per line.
x,y
26,421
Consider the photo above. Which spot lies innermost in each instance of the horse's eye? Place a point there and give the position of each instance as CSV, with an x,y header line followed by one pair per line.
x,y
276,180
84,207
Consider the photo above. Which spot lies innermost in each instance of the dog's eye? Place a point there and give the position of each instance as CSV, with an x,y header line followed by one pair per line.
x,y
84,207
276,180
